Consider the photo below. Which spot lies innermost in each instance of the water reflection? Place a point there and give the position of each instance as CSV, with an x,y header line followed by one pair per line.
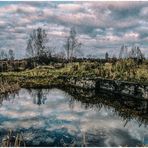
x,y
123,106
77,118
39,98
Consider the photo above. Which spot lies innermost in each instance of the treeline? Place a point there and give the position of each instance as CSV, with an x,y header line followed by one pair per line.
x,y
20,65
10,55
29,63
39,52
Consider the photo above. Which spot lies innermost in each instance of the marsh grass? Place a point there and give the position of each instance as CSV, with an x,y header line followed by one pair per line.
x,y
126,70
6,87
12,140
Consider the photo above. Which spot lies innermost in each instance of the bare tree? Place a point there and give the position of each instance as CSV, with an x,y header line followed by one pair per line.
x,y
67,47
3,55
29,49
36,45
139,54
123,52
11,54
72,43
106,56
136,53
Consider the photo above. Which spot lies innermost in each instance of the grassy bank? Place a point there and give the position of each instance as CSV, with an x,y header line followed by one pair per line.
x,y
126,70
6,87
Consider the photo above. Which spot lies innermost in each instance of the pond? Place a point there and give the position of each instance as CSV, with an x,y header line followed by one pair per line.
x,y
52,117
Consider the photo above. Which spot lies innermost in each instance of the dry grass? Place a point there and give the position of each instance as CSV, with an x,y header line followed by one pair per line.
x,y
13,141
121,70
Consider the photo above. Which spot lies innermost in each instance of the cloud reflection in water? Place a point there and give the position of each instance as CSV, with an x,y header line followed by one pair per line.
x,y
47,116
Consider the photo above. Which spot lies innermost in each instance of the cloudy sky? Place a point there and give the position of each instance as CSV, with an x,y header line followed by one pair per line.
x,y
101,26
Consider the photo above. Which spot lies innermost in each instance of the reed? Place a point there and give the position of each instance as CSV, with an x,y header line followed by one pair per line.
x,y
12,140
125,70
6,87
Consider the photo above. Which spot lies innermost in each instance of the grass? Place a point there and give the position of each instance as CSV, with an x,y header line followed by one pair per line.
x,y
8,87
47,75
12,140
126,70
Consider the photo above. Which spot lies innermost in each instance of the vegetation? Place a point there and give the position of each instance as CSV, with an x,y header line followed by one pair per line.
x,y
72,44
12,140
43,69
47,75
7,86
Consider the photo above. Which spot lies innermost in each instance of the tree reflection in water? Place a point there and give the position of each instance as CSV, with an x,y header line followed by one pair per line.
x,y
8,97
44,109
38,95
124,107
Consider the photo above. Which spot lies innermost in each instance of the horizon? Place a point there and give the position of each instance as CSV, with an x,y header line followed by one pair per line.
x,y
101,26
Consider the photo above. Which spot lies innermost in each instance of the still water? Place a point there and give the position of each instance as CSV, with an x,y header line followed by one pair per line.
x,y
54,118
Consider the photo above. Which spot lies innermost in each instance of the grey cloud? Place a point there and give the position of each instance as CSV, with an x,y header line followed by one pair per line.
x,y
105,23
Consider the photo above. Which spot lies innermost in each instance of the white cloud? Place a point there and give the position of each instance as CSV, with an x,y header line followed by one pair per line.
x,y
8,9
144,11
98,23
69,7
131,36
26,9
2,23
